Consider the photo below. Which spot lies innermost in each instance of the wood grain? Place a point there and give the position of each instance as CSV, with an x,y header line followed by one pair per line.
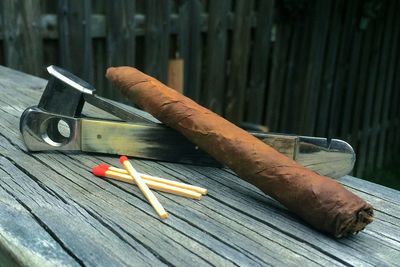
x,y
23,48
157,38
304,72
216,54
75,39
83,220
190,47
235,93
260,53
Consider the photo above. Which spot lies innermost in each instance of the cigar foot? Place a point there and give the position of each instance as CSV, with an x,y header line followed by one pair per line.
x,y
364,217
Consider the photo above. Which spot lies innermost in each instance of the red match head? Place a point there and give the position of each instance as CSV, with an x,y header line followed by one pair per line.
x,y
104,165
122,159
99,171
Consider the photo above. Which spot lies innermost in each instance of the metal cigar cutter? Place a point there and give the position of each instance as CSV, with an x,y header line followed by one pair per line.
x,y
136,133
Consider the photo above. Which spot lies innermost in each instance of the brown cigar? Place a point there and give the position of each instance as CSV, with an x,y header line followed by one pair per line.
x,y
319,200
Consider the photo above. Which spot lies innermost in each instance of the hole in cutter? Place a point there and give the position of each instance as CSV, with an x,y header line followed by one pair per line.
x,y
63,128
57,132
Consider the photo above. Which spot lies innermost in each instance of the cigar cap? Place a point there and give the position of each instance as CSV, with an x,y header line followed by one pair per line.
x,y
99,171
122,159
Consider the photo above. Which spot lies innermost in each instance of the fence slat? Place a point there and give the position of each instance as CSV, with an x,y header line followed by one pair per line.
x,y
304,30
190,47
385,146
276,86
322,16
392,145
259,62
326,68
351,94
324,107
120,39
120,33
396,142
369,100
293,87
23,49
215,74
236,88
358,110
99,54
376,122
157,39
75,44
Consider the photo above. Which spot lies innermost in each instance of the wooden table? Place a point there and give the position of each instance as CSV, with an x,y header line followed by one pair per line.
x,y
54,212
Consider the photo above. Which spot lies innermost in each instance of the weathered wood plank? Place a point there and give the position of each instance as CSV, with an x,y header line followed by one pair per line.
x,y
259,209
49,23
226,227
121,39
1,51
99,54
384,147
396,111
22,44
322,16
75,42
235,93
26,245
358,103
369,97
121,33
325,109
174,227
190,47
297,77
90,239
380,88
215,56
393,145
109,223
79,171
259,62
278,72
157,41
351,95
292,89
84,173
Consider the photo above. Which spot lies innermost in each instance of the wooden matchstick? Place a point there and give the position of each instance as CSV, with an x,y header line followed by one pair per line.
x,y
198,189
144,188
102,171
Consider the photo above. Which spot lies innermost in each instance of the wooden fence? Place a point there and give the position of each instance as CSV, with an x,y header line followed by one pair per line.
x,y
312,67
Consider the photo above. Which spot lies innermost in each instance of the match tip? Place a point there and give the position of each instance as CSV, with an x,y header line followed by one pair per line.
x,y
103,165
122,159
99,171
164,215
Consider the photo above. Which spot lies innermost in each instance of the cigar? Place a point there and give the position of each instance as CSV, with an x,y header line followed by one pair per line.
x,y
147,177
101,171
144,188
318,200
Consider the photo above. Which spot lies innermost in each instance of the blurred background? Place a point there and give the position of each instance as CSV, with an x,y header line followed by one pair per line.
x,y
311,67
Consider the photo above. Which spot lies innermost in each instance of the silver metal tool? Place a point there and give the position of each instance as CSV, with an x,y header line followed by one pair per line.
x,y
57,123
